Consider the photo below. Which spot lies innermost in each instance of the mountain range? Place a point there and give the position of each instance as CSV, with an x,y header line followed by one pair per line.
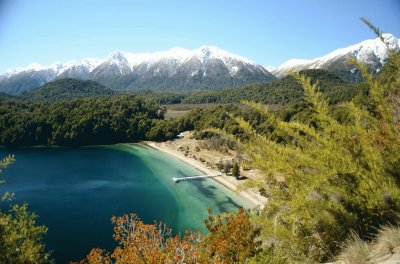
x,y
202,69
178,70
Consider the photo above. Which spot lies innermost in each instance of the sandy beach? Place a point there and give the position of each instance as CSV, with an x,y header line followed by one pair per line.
x,y
228,181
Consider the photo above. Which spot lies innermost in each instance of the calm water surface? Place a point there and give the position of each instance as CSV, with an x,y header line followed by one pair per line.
x,y
75,191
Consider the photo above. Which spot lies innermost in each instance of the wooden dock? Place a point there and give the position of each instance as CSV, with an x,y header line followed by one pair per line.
x,y
193,178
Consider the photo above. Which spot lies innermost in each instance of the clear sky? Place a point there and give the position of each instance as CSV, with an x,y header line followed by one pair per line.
x,y
268,32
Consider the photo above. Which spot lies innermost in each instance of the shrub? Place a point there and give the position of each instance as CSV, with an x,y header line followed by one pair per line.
x,y
356,250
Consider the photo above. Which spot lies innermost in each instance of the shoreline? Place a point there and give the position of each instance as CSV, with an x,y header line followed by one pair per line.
x,y
250,196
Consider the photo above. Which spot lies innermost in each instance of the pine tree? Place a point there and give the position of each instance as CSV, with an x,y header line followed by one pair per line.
x,y
337,176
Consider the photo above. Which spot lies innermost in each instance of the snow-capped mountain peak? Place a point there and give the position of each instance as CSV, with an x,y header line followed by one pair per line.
x,y
89,63
34,67
31,67
372,52
178,54
292,63
118,56
57,67
207,67
217,53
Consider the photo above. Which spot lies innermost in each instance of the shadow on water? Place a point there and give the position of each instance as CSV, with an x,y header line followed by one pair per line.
x,y
208,191
229,201
223,203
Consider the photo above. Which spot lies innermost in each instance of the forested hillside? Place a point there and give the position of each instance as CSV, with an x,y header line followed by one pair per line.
x,y
281,91
6,96
78,122
72,112
67,89
285,91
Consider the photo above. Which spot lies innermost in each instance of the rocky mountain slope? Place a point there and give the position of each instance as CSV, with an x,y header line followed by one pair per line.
x,y
373,53
178,69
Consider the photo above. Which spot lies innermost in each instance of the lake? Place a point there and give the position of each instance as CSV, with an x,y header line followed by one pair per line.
x,y
75,191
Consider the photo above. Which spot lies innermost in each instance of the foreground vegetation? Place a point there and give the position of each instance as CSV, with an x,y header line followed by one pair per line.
x,y
338,177
231,240
21,239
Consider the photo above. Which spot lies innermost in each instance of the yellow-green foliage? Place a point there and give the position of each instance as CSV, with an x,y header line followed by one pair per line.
x,y
325,178
4,163
21,239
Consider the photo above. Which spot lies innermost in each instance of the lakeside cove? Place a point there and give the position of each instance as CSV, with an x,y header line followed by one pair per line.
x,y
173,148
75,191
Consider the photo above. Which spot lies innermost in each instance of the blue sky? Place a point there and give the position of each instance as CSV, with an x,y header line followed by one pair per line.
x,y
268,32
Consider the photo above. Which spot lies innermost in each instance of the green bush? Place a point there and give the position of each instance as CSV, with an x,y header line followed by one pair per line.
x,y
338,176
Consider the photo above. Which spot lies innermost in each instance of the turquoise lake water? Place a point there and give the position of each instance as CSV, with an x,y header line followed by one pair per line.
x,y
75,191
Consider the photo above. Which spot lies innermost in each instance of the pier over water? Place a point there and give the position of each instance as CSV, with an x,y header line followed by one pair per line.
x,y
193,178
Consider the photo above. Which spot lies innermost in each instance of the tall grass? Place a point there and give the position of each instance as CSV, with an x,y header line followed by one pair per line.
x,y
382,247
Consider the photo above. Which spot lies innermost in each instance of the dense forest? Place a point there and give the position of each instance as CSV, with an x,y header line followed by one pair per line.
x,y
67,89
6,96
70,112
79,122
105,120
282,91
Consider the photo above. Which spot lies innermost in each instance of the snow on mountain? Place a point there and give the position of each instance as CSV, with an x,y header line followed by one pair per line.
x,y
89,63
373,53
131,60
270,68
176,56
123,70
78,69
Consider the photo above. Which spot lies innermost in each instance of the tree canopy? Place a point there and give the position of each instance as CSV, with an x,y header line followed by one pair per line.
x,y
21,239
67,89
283,91
79,122
326,178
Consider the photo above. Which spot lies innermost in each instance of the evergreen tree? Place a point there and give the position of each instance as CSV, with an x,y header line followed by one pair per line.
x,y
337,177
21,239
